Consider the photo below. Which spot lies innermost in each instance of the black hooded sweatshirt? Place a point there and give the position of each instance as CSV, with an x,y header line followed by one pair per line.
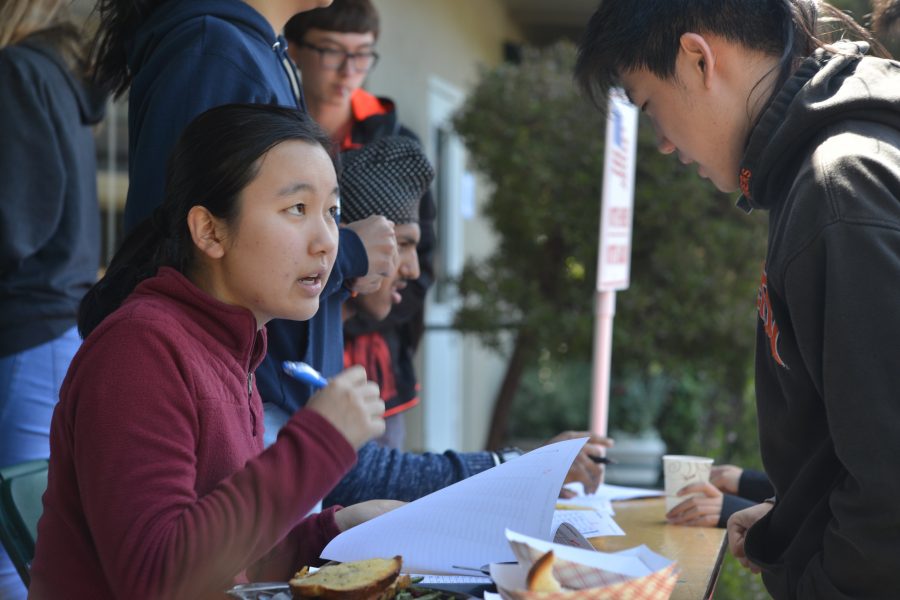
x,y
49,218
824,160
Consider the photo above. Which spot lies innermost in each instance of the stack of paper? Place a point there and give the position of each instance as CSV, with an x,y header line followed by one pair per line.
x,y
464,524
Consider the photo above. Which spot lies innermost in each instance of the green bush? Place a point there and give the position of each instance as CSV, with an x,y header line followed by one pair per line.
x,y
686,323
553,397
556,396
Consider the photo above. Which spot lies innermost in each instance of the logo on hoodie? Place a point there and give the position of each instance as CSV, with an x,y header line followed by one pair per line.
x,y
767,316
745,177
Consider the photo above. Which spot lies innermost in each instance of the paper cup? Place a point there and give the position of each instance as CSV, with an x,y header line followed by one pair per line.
x,y
680,471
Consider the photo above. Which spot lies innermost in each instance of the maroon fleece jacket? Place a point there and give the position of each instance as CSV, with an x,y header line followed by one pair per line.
x,y
158,483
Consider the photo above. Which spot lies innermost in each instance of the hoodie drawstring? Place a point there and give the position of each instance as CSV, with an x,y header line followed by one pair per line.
x,y
290,70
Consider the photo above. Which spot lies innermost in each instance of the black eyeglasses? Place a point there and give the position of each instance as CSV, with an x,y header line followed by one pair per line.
x,y
332,58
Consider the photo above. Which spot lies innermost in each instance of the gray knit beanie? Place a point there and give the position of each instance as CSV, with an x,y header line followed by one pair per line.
x,y
387,177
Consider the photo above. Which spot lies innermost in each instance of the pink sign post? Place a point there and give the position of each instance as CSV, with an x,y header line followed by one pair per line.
x,y
614,261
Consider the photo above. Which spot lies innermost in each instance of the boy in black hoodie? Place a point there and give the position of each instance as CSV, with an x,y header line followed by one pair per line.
x,y
811,133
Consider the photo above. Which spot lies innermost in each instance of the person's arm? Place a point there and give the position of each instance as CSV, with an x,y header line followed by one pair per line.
x,y
32,182
315,531
157,535
738,526
726,478
388,473
706,506
352,260
844,311
374,257
730,505
755,485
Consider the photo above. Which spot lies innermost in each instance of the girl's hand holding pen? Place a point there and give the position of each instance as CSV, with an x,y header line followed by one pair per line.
x,y
352,404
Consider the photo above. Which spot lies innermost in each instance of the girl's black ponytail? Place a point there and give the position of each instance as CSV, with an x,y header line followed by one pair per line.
x,y
136,260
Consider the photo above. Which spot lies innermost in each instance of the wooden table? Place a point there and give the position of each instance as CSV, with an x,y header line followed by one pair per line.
x,y
698,550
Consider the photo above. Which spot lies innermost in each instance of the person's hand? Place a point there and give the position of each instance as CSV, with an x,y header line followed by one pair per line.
x,y
697,511
380,242
353,515
352,404
583,469
738,524
726,478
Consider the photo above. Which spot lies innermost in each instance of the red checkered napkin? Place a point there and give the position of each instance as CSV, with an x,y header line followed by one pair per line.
x,y
569,574
582,581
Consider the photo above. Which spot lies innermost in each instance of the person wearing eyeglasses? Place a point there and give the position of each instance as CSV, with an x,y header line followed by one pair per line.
x,y
334,48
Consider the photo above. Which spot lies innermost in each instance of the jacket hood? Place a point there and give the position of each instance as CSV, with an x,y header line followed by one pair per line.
x,y
172,14
827,88
91,99
373,117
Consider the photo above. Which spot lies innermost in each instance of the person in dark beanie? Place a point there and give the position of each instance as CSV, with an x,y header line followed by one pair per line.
x,y
387,177
808,130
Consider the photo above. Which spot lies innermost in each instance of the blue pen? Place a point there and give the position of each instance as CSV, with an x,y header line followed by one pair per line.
x,y
305,373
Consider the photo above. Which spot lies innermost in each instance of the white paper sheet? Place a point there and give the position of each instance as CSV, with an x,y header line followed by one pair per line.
x,y
601,501
619,492
464,524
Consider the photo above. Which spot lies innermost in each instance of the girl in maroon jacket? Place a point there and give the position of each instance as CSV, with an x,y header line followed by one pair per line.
x,y
158,484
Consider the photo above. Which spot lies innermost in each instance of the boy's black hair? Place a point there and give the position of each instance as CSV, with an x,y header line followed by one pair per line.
x,y
345,16
625,35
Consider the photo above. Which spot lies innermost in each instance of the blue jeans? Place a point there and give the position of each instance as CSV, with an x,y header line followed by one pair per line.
x,y
29,390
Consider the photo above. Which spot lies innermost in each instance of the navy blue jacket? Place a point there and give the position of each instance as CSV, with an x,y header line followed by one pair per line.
x,y
49,218
190,56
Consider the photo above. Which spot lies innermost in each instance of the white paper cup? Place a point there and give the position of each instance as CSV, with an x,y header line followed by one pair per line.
x,y
679,471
